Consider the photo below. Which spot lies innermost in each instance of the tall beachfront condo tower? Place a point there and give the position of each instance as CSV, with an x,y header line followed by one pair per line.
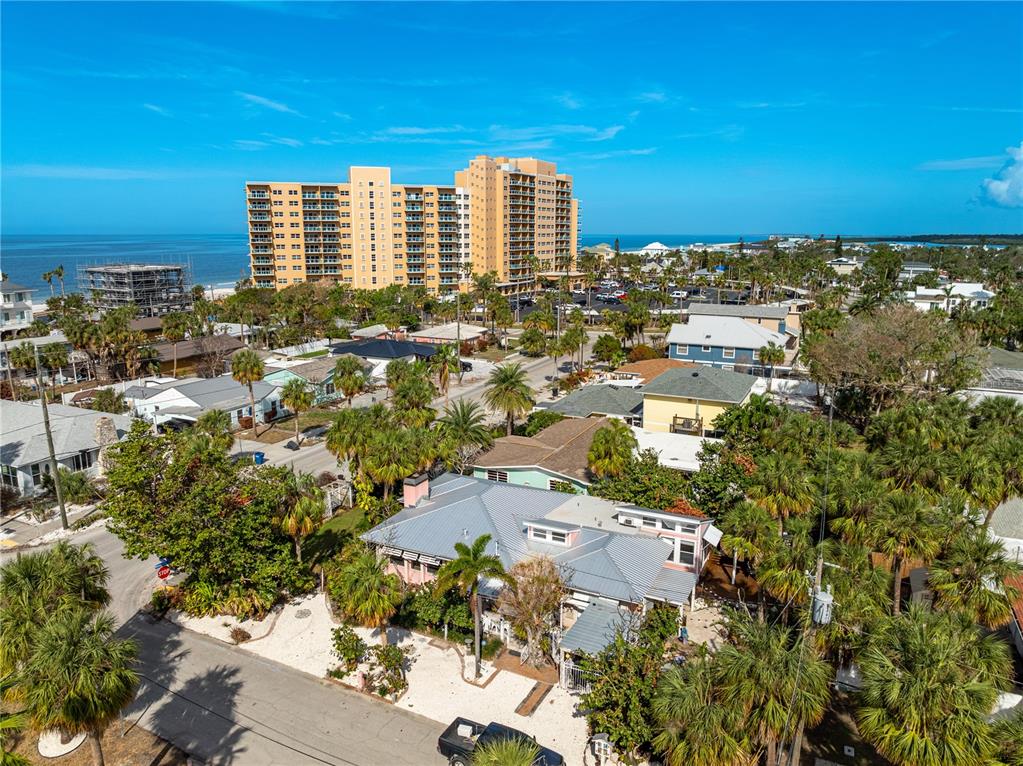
x,y
521,213
370,233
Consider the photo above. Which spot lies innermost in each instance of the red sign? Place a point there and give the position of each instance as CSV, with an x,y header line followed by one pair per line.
x,y
163,573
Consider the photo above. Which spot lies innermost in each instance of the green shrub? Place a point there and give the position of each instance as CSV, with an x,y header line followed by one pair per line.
x,y
200,599
348,648
74,486
161,601
642,353
388,666
491,647
538,421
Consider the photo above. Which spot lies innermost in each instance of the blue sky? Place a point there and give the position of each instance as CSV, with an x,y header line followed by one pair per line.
x,y
679,118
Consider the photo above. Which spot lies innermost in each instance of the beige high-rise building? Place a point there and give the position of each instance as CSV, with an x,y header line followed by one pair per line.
x,y
370,233
521,214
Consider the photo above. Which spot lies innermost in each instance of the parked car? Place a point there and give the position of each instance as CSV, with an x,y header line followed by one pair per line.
x,y
462,737
678,294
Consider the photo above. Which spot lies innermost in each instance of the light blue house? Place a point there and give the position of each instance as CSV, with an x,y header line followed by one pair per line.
x,y
721,341
556,458
318,374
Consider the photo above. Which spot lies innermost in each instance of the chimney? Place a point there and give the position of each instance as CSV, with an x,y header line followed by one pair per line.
x,y
105,434
416,488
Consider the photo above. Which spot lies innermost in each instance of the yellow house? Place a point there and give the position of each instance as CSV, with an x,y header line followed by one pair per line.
x,y
686,400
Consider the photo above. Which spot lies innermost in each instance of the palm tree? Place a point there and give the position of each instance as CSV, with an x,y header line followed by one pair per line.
x,y
175,328
771,354
749,533
695,725
969,579
247,368
903,528
298,397
611,450
388,459
506,751
780,681
464,573
349,377
929,682
780,486
302,519
58,272
79,677
368,593
464,425
507,391
48,279
11,721
445,362
36,586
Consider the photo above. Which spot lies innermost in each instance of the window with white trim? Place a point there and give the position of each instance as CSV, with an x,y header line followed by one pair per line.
x,y
728,353
495,475
9,476
706,349
682,350
648,522
686,553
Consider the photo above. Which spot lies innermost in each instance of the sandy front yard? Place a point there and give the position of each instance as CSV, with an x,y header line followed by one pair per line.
x,y
299,635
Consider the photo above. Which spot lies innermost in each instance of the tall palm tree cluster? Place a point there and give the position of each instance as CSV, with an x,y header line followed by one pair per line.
x,y
388,444
916,491
61,665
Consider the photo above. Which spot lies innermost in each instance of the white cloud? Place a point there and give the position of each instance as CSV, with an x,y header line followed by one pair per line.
x,y
730,132
1005,189
250,146
618,153
420,131
771,104
652,97
533,133
965,163
94,173
157,110
276,106
342,115
282,140
569,100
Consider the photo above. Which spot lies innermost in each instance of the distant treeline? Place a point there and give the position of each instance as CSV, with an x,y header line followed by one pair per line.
x,y
948,239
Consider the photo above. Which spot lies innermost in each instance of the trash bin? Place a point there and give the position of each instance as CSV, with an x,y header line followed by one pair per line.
x,y
259,458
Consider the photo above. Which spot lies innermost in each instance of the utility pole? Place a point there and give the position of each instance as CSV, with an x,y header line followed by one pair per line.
x,y
49,442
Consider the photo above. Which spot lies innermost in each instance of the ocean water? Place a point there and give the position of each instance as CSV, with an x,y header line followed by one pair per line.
x,y
216,259
219,260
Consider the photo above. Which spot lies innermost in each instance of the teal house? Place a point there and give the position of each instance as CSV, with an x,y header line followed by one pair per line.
x,y
318,374
556,458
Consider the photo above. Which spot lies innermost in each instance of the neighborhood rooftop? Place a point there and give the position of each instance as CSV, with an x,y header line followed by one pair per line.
x,y
561,448
74,431
704,383
729,310
724,331
600,400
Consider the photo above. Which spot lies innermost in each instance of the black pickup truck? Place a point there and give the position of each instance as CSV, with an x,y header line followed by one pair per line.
x,y
463,736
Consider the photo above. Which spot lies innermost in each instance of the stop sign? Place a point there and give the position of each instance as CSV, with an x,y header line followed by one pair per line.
x,y
163,572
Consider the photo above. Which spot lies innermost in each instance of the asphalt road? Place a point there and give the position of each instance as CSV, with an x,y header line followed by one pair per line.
x,y
226,706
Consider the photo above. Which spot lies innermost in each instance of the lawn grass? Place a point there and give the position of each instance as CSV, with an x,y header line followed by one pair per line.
x,y
330,538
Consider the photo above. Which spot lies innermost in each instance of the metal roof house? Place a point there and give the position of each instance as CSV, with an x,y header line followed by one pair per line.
x,y
721,341
181,402
609,554
78,437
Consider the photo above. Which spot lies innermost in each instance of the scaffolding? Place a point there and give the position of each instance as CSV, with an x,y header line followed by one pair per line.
x,y
154,289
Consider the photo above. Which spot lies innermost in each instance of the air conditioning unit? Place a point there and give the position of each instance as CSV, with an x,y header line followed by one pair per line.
x,y
627,521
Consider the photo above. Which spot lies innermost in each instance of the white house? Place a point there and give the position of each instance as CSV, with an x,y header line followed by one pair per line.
x,y
16,313
951,296
181,402
78,436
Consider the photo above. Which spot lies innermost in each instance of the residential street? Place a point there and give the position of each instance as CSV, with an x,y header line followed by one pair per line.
x,y
224,705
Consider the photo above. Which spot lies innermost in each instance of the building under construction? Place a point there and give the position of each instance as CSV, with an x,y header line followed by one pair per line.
x,y
155,289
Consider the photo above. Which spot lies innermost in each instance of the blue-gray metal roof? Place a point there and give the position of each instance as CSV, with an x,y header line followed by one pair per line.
x,y
672,585
600,400
595,628
460,509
